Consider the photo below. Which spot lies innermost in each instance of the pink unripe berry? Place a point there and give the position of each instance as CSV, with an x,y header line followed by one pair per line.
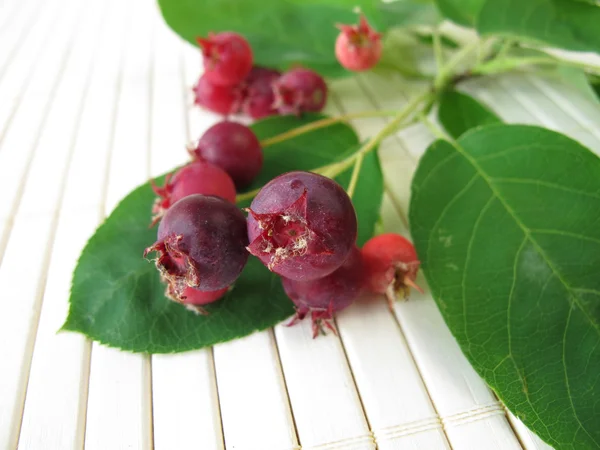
x,y
300,90
259,97
391,265
322,297
201,244
197,177
302,225
358,47
227,58
234,148
193,299
224,100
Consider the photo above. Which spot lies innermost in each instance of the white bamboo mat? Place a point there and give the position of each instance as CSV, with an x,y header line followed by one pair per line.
x,y
94,99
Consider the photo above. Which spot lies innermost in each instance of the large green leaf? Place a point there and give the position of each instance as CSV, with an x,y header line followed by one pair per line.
x,y
463,12
288,32
459,112
506,222
117,297
567,24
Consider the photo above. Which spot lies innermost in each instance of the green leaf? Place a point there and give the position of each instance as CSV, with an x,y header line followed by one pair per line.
x,y
463,12
117,298
506,224
288,32
565,24
460,112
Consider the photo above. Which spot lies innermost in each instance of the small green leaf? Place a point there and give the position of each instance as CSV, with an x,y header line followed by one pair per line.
x,y
567,24
506,224
463,12
459,112
117,298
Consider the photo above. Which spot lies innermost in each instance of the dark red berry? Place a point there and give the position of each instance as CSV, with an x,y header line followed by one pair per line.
x,y
234,148
301,225
227,58
193,299
358,47
259,98
223,100
300,90
322,297
197,177
391,265
201,244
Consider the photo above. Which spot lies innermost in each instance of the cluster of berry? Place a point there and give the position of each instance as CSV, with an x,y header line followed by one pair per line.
x,y
300,225
231,84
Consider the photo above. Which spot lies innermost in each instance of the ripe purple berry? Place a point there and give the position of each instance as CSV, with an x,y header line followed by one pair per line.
x,y
301,226
227,58
201,244
322,297
224,100
259,96
234,148
300,90
197,177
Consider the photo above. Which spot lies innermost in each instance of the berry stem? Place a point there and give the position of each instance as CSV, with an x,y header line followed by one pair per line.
x,y
246,195
445,72
355,173
322,123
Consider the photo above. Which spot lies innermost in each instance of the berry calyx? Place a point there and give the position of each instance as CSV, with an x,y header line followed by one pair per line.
x,y
227,58
358,47
391,265
197,177
224,100
300,90
201,244
234,148
322,297
259,97
301,225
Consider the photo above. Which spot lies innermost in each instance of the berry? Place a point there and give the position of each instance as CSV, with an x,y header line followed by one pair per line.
x,y
358,47
223,100
301,225
193,298
197,177
300,90
227,58
391,266
322,297
234,148
201,244
259,97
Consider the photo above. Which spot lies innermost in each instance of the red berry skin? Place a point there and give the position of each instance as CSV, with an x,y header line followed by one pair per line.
x,y
201,244
227,58
391,265
234,148
300,90
358,47
322,297
259,97
197,177
193,299
302,226
224,100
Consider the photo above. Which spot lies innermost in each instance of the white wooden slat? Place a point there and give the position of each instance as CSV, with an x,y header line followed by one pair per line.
x,y
249,378
16,147
54,414
470,413
18,74
184,392
14,30
9,9
46,173
119,397
56,399
325,403
529,440
21,280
